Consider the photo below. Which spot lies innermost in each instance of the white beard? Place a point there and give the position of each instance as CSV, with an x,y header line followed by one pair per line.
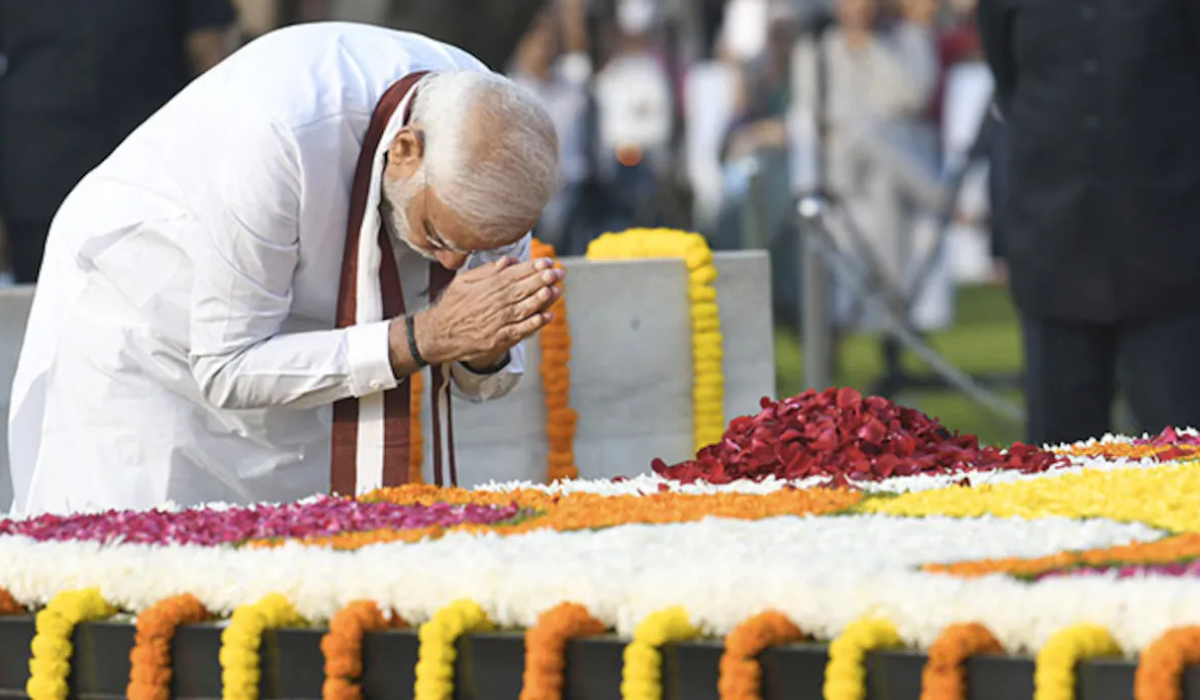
x,y
397,195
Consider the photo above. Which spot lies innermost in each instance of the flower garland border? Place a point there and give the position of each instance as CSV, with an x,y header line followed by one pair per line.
x,y
436,654
740,671
546,645
342,647
641,674
845,676
561,420
9,604
150,659
50,665
707,343
1054,667
241,642
944,677
1159,674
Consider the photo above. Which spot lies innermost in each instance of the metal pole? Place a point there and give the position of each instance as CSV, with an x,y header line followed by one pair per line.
x,y
754,225
816,321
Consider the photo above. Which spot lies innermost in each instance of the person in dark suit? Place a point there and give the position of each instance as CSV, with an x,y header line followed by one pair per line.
x,y
1102,215
76,78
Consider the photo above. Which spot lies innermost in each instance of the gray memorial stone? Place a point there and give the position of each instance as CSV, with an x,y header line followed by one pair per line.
x,y
14,312
631,372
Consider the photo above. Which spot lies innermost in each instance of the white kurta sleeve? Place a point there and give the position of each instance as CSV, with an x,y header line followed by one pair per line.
x,y
242,294
478,387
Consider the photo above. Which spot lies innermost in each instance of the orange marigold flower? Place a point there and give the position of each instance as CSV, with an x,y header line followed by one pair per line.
x,y
741,673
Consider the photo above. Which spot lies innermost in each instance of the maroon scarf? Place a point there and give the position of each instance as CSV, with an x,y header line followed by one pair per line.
x,y
345,478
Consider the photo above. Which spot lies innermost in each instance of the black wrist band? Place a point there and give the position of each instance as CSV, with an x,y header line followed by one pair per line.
x,y
409,325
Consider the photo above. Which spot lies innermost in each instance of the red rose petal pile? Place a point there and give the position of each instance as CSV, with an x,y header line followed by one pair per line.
x,y
1178,446
842,436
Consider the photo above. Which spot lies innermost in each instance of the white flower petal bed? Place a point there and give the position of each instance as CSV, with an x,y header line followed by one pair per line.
x,y
644,484
823,572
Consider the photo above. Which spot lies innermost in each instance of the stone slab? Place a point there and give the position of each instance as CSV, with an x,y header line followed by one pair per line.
x,y
631,371
14,312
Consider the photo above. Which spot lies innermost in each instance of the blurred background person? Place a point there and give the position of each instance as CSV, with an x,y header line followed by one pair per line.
x,y
76,78
669,113
755,201
553,63
1102,207
761,100
879,146
635,119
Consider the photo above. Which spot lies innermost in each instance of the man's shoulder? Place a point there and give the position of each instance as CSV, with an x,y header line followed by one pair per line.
x,y
369,47
313,72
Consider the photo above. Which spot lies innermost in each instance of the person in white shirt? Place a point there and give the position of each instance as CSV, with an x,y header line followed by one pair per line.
x,y
231,305
552,62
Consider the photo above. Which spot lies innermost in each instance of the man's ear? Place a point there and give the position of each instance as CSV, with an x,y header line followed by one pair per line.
x,y
408,148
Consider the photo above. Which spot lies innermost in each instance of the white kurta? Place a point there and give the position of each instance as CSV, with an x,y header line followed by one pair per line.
x,y
182,345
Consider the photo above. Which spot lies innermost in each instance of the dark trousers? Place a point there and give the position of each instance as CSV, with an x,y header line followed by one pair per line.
x,y
26,245
1073,371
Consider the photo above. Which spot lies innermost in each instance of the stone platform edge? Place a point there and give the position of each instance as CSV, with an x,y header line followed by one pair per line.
x,y
490,667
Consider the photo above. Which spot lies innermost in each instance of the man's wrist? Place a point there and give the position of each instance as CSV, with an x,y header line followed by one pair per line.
x,y
429,339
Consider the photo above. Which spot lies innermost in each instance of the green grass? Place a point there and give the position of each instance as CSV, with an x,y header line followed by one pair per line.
x,y
984,339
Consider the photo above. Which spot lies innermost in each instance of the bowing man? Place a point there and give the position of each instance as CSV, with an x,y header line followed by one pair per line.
x,y
232,304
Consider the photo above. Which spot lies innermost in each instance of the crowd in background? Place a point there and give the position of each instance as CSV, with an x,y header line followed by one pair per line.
x,y
721,115
700,114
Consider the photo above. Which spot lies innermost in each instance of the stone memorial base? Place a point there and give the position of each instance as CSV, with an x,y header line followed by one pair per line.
x,y
491,666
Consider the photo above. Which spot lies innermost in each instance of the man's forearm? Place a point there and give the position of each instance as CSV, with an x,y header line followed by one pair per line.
x,y
298,370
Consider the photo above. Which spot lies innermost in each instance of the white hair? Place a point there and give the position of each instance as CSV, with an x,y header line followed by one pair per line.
x,y
491,150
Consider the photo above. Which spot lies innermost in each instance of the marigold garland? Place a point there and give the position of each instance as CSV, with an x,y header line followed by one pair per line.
x,y
1165,551
641,675
944,677
342,647
561,420
1161,665
416,438
845,675
589,511
436,655
50,665
150,659
242,640
1054,672
546,645
741,673
707,343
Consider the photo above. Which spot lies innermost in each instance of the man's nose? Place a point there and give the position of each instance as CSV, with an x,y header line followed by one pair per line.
x,y
451,260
